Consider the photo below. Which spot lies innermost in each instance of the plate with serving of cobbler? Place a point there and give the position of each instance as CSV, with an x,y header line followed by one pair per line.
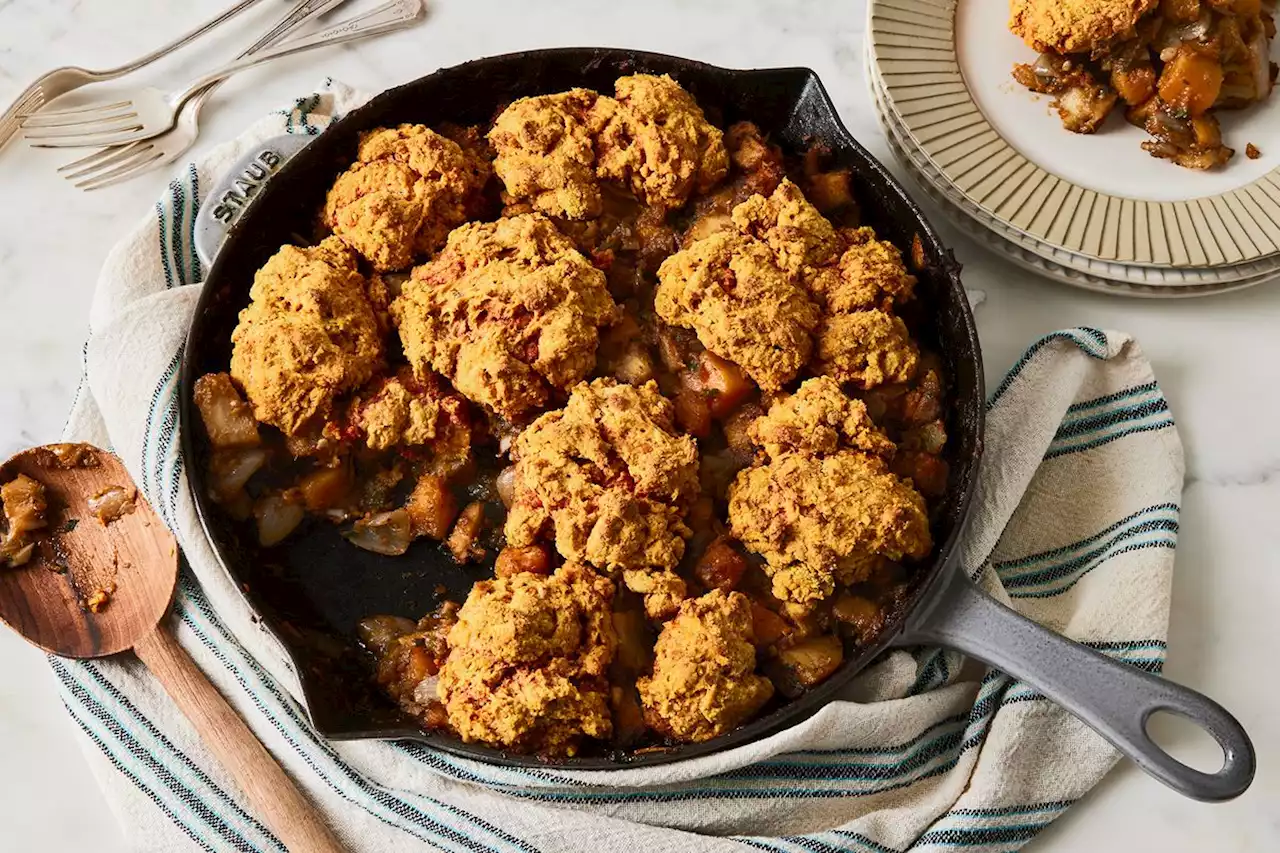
x,y
1140,132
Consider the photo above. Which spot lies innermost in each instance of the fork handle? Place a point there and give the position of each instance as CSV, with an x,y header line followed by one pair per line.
x,y
386,18
300,15
181,41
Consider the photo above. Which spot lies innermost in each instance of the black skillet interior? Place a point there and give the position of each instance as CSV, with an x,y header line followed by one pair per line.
x,y
312,591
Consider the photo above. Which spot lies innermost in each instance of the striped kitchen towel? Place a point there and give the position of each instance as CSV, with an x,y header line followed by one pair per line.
x,y
1075,525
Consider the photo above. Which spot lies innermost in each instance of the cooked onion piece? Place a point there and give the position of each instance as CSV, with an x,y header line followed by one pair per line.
x,y
386,533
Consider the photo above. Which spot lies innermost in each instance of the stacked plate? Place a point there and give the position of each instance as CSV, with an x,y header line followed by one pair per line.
x,y
1093,211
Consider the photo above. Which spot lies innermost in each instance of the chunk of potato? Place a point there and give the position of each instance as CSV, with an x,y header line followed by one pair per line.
x,y
830,190
805,665
767,626
1192,80
723,383
721,566
325,488
860,613
737,427
431,507
628,718
693,413
24,505
635,641
533,559
228,418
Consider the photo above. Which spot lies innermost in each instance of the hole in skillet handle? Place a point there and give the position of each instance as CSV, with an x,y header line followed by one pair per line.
x,y
1114,698
1185,740
226,204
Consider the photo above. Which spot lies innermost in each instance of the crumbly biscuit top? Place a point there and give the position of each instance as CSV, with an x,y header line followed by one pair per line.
x,y
509,312
554,150
308,335
528,659
1076,26
408,187
608,476
703,683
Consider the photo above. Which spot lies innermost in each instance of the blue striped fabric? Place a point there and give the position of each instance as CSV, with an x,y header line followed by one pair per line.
x,y
1090,341
1054,572
151,760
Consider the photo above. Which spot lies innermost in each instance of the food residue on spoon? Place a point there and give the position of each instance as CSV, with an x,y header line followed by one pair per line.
x,y
69,455
100,598
95,585
1251,151
24,513
113,502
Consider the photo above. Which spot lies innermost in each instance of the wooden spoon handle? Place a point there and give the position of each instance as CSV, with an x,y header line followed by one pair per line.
x,y
270,790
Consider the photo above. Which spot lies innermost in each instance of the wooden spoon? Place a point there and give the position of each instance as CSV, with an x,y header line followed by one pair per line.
x,y
95,588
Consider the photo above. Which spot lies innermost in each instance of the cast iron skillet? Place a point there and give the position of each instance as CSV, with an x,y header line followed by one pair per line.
x,y
312,591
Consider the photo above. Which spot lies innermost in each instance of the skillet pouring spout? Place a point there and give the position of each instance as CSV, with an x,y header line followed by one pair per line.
x,y
1115,699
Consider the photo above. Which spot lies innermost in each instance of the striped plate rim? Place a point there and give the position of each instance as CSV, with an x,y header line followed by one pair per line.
x,y
1048,269
1057,263
913,44
991,235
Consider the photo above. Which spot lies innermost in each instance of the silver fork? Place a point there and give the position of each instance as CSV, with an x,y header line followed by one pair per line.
x,y
117,163
62,80
150,112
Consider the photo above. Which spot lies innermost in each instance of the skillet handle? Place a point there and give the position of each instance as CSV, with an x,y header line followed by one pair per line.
x,y
231,196
1113,698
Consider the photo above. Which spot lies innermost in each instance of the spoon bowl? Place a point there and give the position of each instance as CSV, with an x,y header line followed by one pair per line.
x,y
99,580
133,559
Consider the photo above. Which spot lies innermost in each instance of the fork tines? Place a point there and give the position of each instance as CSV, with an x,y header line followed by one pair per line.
x,y
85,114
111,165
81,125
28,102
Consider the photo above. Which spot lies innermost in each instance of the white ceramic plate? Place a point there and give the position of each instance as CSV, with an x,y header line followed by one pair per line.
x,y
1059,264
945,69
1136,281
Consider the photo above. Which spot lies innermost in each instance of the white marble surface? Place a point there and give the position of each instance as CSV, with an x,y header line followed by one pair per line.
x,y
1216,359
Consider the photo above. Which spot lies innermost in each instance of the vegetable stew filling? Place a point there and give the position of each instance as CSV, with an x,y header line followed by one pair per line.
x,y
653,374
1172,64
